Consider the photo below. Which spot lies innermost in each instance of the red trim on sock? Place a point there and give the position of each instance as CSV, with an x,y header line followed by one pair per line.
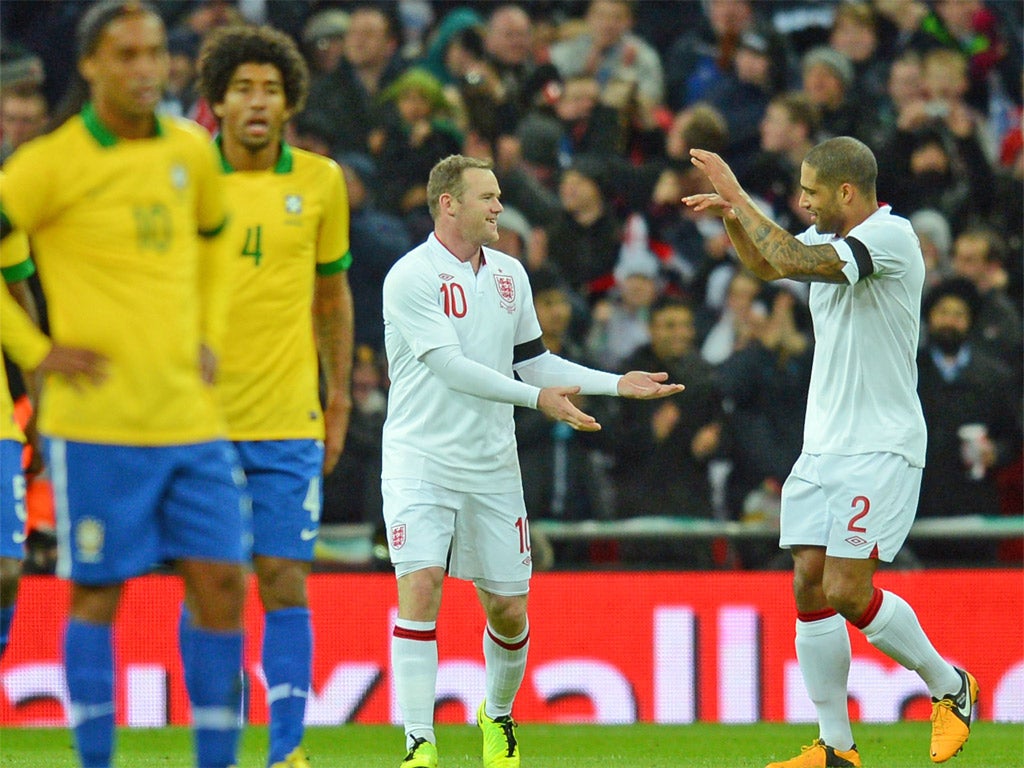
x,y
872,610
506,645
426,635
809,616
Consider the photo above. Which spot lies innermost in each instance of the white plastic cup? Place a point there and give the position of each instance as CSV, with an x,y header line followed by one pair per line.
x,y
972,437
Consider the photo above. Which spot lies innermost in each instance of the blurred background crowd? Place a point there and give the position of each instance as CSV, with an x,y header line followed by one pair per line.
x,y
588,110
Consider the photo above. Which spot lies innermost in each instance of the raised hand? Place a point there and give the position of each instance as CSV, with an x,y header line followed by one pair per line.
x,y
719,174
712,203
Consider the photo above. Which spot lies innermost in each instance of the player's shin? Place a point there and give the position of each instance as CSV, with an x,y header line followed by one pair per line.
x,y
89,669
505,662
216,696
287,660
414,665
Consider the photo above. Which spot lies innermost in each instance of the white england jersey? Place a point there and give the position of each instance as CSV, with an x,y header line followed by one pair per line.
x,y
433,300
863,390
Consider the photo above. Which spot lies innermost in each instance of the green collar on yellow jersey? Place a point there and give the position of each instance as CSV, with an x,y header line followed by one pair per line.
x,y
104,135
283,164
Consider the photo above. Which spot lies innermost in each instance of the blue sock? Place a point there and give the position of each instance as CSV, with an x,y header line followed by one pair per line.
x,y
89,670
287,662
6,619
215,686
186,645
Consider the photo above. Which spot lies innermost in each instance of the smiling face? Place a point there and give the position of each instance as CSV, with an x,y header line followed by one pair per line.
x,y
821,202
254,109
476,209
673,332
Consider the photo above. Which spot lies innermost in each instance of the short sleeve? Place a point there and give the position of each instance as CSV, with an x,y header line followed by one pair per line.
x,y
332,249
211,206
25,193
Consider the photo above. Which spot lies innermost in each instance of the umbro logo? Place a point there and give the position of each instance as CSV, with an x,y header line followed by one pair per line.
x,y
856,541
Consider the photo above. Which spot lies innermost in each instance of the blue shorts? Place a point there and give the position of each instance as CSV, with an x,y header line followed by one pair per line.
x,y
12,501
122,509
284,478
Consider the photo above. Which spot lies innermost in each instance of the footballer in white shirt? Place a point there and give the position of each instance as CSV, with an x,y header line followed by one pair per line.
x,y
852,495
458,322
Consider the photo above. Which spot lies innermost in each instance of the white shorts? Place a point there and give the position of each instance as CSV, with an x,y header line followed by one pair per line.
x,y
859,506
486,534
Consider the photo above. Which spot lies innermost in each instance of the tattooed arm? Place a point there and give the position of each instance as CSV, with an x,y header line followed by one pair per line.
x,y
768,250
332,326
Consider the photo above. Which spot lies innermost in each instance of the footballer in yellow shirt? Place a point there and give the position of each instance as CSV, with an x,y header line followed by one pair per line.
x,y
126,213
290,309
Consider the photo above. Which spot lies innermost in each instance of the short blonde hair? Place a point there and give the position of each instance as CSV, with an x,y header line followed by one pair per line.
x,y
446,178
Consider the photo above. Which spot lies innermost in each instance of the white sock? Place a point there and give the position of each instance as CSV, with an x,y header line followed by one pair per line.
x,y
897,633
823,652
414,666
505,665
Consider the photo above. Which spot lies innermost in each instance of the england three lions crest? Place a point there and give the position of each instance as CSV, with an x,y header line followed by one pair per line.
x,y
506,291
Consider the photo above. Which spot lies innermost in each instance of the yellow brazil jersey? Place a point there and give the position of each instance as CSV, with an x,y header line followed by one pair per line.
x,y
20,338
115,228
288,224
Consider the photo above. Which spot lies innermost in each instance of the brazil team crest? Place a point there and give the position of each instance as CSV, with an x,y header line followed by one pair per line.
x,y
293,204
179,176
89,535
506,291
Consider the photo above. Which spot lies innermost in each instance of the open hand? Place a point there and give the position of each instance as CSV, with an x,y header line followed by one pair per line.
x,y
719,174
710,203
556,403
642,385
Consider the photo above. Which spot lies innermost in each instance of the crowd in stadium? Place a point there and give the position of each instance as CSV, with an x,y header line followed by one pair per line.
x,y
588,111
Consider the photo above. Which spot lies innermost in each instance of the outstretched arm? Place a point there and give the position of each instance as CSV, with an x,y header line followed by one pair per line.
x,y
642,385
461,374
768,250
549,369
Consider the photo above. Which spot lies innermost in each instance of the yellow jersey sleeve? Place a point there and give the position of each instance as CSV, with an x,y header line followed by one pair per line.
x,y
332,251
23,342
214,276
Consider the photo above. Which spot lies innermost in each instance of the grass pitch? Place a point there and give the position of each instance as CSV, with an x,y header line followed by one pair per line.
x,y
899,745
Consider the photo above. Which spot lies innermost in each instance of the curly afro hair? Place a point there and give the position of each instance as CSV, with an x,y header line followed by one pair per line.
x,y
227,48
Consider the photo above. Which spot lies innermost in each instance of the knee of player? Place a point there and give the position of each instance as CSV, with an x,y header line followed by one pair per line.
x,y
419,593
219,600
847,596
282,582
506,614
807,588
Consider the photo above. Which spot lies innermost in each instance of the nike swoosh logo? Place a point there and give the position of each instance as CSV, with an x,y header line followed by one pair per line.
x,y
308,534
966,707
965,712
